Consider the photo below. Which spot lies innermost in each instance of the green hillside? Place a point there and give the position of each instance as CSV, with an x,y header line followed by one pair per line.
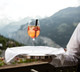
x,y
6,42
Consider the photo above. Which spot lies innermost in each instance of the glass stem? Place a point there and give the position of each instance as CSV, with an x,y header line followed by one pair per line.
x,y
33,42
33,39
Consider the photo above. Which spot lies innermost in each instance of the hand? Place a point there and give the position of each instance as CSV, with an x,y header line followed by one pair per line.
x,y
65,49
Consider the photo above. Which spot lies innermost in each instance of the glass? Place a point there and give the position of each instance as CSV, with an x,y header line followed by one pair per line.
x,y
33,29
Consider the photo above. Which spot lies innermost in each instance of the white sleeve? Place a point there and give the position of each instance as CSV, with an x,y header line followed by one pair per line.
x,y
73,46
69,58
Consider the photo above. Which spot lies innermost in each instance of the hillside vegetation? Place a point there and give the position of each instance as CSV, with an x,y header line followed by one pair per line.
x,y
6,42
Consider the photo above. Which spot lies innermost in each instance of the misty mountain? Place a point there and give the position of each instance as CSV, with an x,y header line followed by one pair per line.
x,y
57,28
60,26
13,26
4,21
22,36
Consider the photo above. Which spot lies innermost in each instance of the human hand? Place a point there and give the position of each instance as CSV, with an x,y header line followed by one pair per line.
x,y
65,49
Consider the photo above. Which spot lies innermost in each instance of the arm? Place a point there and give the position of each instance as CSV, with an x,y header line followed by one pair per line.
x,y
72,52
74,42
65,49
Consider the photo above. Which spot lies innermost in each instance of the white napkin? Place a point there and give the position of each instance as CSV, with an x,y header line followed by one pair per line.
x,y
10,53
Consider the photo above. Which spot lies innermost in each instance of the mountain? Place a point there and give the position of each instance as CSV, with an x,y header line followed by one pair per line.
x,y
60,26
4,21
57,28
22,36
13,26
6,42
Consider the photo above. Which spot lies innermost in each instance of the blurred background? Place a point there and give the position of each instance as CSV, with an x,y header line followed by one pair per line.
x,y
58,19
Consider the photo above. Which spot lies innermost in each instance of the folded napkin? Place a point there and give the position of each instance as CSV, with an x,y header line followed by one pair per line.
x,y
10,53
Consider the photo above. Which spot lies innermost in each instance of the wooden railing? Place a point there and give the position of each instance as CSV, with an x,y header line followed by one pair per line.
x,y
36,67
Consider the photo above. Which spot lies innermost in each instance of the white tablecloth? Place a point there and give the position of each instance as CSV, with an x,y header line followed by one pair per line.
x,y
10,53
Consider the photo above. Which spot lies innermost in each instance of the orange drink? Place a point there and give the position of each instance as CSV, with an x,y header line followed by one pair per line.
x,y
33,31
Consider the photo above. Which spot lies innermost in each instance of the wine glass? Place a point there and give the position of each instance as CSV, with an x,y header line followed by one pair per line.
x,y
33,29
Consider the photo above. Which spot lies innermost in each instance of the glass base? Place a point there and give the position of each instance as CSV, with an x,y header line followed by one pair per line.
x,y
33,39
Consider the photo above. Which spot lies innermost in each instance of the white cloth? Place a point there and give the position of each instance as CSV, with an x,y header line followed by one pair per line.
x,y
10,53
69,58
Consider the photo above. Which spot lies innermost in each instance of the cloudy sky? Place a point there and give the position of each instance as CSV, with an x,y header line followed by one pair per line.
x,y
17,9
